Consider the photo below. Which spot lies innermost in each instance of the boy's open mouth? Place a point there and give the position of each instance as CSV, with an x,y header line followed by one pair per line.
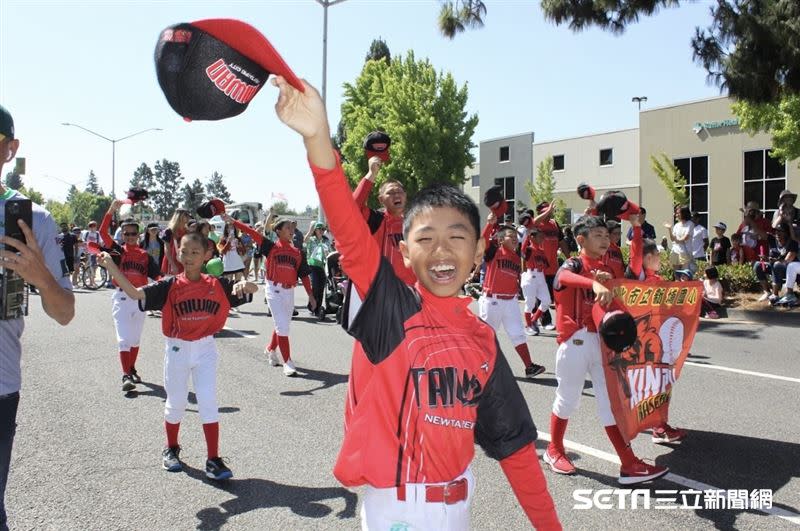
x,y
442,273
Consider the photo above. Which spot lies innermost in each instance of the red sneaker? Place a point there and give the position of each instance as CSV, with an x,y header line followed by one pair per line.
x,y
666,434
558,461
640,472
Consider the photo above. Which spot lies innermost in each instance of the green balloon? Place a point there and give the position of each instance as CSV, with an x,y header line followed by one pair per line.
x,y
214,267
213,236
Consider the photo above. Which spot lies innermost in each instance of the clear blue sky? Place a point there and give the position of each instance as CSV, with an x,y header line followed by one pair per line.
x,y
91,63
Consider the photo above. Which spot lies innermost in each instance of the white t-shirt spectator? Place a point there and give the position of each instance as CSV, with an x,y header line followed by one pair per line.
x,y
699,235
681,230
89,236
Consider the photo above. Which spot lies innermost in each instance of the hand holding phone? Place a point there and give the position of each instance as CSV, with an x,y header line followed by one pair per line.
x,y
15,210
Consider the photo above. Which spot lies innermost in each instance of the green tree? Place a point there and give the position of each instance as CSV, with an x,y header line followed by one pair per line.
x,y
378,50
424,113
282,208
91,184
86,206
671,177
167,195
60,211
751,48
143,178
542,189
193,195
72,193
13,180
216,188
33,195
781,119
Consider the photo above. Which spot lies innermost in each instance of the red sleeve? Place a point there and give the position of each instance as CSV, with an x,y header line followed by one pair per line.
x,y
108,241
527,481
487,233
500,210
307,284
637,252
360,255
573,280
250,231
361,195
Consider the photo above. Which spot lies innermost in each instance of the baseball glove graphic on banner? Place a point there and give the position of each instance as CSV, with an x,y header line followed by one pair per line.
x,y
640,379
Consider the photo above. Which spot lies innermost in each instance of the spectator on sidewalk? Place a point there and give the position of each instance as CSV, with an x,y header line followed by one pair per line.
x,y
648,231
787,213
755,231
699,238
712,294
737,251
681,256
774,264
720,245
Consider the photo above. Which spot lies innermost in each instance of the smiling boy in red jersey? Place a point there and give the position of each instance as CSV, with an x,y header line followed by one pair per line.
x,y
498,302
578,285
423,351
137,266
644,265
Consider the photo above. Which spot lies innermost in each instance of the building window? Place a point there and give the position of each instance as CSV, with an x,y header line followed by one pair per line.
x,y
504,154
558,162
695,171
606,157
764,178
508,192
476,180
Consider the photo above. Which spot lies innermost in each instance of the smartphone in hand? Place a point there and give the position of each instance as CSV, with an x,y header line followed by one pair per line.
x,y
17,209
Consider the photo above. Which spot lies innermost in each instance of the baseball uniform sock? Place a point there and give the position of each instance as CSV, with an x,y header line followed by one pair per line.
x,y
283,344
528,320
211,431
172,433
558,427
536,315
124,360
524,353
134,356
273,343
624,451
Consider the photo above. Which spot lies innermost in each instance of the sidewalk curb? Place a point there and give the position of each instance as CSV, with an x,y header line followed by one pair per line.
x,y
767,316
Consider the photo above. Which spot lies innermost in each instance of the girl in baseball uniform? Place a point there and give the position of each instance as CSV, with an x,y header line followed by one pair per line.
x,y
284,264
137,266
645,263
194,307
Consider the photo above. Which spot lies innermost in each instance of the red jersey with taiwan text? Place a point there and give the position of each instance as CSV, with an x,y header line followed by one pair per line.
x,y
613,259
283,261
191,309
427,380
574,304
387,231
534,256
503,268
132,260
552,240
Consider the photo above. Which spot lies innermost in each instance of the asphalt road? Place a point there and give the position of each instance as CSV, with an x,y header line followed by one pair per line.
x,y
87,457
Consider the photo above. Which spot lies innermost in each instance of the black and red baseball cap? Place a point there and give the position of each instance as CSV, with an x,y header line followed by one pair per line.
x,y
135,195
377,144
212,208
211,69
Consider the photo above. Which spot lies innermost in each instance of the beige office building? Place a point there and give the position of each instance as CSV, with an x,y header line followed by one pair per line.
x,y
724,166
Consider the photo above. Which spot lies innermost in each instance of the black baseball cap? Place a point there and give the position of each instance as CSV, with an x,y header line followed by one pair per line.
x,y
6,124
211,69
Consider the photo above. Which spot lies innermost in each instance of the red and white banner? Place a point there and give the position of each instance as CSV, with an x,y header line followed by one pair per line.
x,y
640,380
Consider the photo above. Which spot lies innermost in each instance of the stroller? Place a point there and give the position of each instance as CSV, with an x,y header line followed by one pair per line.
x,y
335,287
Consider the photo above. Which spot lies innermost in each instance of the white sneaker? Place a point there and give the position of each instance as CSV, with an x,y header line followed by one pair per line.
x,y
273,358
764,296
289,369
551,326
532,330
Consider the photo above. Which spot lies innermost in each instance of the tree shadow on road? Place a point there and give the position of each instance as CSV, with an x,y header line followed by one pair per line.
x,y
326,379
551,382
722,328
754,464
254,493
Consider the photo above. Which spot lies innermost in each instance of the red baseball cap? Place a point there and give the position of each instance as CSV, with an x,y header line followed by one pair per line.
x,y
211,69
377,144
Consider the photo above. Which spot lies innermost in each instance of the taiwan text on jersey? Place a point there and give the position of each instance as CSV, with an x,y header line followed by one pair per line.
x,y
283,261
503,268
427,381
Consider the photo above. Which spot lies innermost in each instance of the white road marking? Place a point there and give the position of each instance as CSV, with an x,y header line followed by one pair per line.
x,y
675,478
742,371
247,335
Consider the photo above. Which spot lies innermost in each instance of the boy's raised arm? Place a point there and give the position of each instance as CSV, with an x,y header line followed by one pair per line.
x,y
305,113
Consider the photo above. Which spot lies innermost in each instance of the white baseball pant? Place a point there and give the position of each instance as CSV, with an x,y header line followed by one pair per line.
x,y
128,320
281,304
792,268
574,358
381,510
534,288
502,311
196,358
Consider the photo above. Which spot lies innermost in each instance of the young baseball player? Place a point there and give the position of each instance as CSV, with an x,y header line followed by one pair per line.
x,y
533,283
613,257
386,225
645,263
194,307
427,380
91,235
578,285
498,303
284,265
137,266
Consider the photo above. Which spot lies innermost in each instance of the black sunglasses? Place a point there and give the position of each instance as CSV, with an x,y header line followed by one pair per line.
x,y
130,233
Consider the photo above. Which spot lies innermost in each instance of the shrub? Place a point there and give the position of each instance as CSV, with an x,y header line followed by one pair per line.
x,y
738,278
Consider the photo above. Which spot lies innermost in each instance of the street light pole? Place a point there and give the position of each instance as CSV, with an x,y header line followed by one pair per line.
x,y
113,148
639,100
325,5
